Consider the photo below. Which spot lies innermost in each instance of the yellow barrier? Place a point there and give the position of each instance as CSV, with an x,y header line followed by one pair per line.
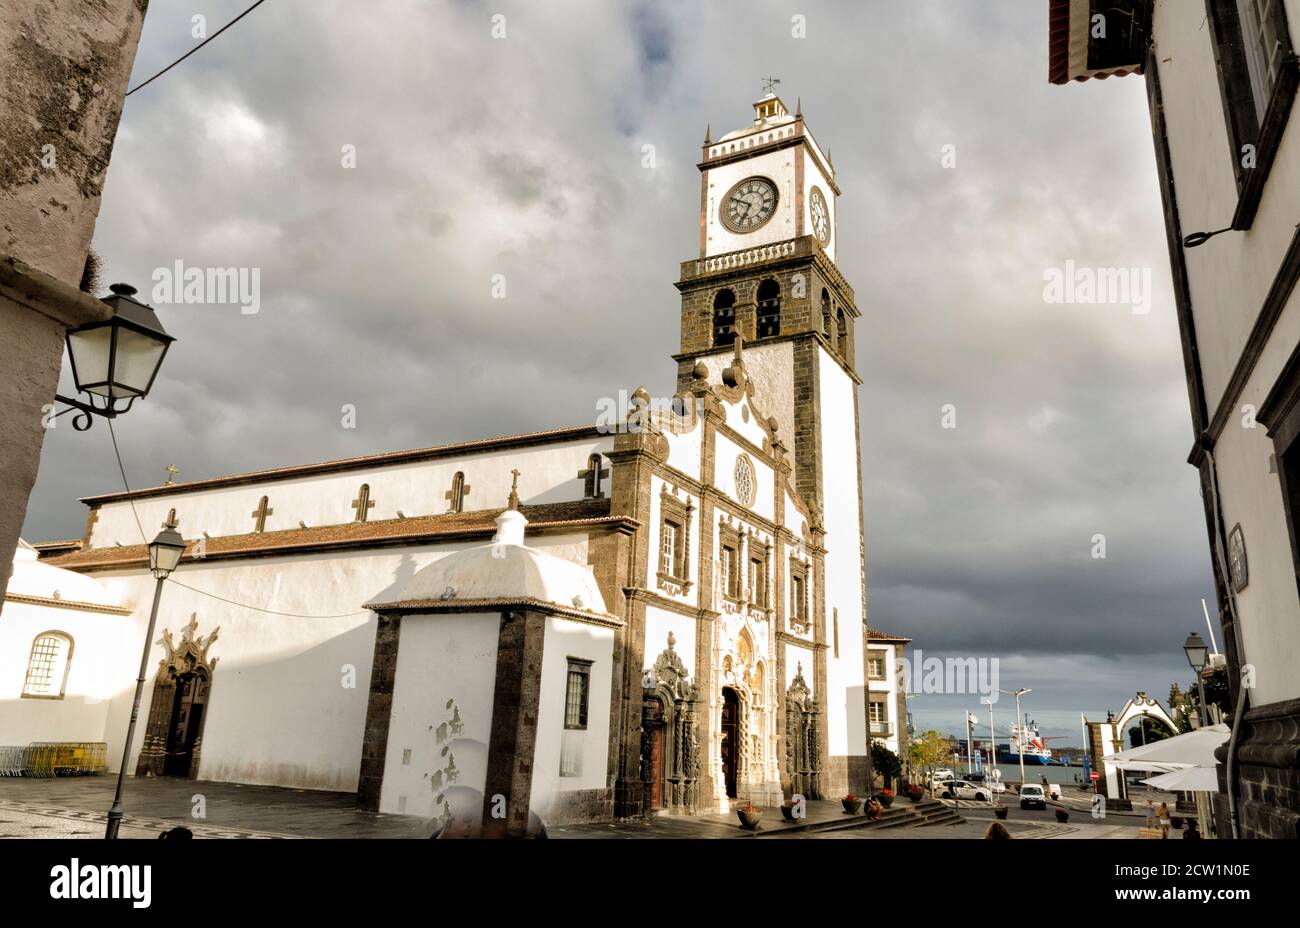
x,y
54,759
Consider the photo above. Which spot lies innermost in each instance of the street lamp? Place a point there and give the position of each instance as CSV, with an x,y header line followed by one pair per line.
x,y
164,556
1019,728
1197,655
116,361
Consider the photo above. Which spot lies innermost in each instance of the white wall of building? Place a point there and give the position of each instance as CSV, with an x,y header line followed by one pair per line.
x,y
1229,279
566,638
446,669
845,711
548,474
776,166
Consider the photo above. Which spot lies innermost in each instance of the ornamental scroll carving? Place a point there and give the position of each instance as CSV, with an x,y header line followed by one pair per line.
x,y
801,741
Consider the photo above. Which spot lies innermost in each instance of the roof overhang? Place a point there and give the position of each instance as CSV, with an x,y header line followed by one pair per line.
x,y
444,606
1096,38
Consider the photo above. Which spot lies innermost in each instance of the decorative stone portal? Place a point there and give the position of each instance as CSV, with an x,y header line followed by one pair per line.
x,y
801,747
173,738
670,744
744,762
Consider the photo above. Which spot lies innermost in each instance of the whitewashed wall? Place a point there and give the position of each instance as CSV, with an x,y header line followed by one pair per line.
x,y
1229,278
548,474
446,667
845,712
566,638
288,698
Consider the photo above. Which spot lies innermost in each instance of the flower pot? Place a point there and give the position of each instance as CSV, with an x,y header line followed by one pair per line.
x,y
916,797
886,801
1062,815
852,806
749,819
1000,812
787,812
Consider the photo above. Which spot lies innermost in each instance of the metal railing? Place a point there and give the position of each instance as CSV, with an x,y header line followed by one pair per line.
x,y
54,759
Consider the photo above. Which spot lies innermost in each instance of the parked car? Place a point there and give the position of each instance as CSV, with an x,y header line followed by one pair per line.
x,y
963,789
1031,797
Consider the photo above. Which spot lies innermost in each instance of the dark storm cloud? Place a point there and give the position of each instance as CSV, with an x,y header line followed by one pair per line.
x,y
526,157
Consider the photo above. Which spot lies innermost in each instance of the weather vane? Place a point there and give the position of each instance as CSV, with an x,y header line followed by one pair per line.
x,y
769,83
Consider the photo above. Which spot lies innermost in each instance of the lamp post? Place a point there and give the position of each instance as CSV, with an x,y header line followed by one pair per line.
x,y
1019,728
1197,654
116,361
164,555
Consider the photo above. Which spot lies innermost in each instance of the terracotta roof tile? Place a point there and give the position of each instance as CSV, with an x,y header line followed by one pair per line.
x,y
576,514
877,634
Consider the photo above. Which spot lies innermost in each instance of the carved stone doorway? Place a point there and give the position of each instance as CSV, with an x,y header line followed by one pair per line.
x,y
730,741
173,738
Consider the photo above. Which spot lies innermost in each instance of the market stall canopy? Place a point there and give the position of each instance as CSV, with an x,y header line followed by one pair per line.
x,y
1194,749
1187,779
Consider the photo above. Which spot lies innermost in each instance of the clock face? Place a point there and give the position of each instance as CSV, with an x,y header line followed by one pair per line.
x,y
749,205
821,216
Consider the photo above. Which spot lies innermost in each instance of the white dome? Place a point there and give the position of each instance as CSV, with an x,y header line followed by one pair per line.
x,y
505,569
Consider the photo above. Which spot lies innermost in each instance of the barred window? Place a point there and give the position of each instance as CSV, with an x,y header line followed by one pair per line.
x,y
47,668
576,694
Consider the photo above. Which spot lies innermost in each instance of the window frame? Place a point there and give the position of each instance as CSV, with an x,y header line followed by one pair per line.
x,y
799,606
1244,124
881,728
70,645
873,655
578,667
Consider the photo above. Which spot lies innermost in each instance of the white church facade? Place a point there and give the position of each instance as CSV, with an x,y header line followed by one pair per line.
x,y
668,614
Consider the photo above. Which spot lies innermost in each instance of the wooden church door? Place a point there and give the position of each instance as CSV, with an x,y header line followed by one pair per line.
x,y
730,739
187,719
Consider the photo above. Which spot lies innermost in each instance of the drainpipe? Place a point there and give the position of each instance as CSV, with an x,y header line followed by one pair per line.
x,y
1240,707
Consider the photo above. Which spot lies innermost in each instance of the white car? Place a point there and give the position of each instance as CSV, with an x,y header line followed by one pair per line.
x,y
961,789
1031,795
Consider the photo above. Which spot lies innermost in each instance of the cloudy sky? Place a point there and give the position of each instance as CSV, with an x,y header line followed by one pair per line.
x,y
523,156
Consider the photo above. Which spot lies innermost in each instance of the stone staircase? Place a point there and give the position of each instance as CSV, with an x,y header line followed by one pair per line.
x,y
902,814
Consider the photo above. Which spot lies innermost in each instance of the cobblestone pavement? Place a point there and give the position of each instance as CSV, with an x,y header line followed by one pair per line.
x,y
230,810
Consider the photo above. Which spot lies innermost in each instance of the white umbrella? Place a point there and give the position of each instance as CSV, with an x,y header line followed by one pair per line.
x,y
1194,749
1187,779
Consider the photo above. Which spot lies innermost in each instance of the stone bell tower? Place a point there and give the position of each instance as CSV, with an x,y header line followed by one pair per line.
x,y
766,270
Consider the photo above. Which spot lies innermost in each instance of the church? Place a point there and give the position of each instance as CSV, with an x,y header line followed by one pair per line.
x,y
664,613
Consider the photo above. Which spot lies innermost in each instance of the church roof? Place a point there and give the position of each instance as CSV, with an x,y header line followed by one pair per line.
x,y
877,635
549,517
414,455
502,573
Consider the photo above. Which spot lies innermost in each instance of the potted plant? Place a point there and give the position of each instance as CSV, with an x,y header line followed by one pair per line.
x,y
886,797
914,792
787,811
749,815
1062,815
852,804
1000,812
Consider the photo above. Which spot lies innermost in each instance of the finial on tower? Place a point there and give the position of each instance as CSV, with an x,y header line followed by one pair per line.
x,y
513,502
172,471
798,107
769,84
708,134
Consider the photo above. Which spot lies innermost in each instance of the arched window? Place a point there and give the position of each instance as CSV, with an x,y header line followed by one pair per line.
x,y
592,476
48,666
826,315
458,492
769,309
724,318
843,333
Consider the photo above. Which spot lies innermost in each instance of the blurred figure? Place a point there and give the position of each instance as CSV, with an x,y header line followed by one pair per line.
x,y
180,832
997,830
